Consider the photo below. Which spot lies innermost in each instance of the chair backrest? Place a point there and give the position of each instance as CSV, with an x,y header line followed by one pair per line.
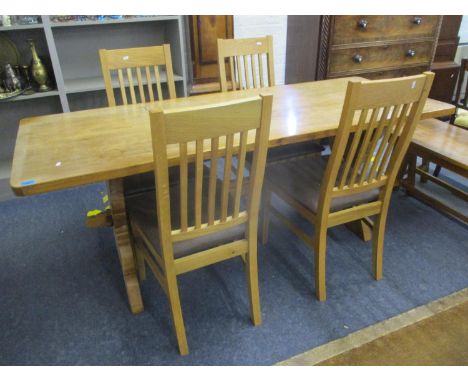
x,y
119,66
461,79
250,62
210,132
376,126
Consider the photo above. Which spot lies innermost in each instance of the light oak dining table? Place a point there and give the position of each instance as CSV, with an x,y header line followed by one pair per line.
x,y
59,151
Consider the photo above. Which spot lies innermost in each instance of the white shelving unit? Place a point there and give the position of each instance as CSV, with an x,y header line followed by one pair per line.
x,y
65,24
22,97
21,27
86,84
70,50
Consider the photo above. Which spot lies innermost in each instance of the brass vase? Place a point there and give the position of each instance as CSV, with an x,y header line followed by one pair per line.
x,y
38,70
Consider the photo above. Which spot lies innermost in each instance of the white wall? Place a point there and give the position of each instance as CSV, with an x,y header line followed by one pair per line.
x,y
257,26
463,33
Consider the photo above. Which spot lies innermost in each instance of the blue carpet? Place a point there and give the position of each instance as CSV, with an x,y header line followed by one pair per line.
x,y
63,302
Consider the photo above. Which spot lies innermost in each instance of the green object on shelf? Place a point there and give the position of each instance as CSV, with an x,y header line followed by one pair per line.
x,y
462,119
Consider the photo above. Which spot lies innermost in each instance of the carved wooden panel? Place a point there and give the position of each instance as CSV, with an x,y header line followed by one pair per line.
x,y
204,32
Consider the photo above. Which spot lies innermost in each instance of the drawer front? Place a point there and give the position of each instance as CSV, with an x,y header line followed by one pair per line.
x,y
395,73
376,57
356,29
383,74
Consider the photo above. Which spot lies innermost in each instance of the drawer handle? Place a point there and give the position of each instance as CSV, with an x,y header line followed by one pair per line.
x,y
357,58
417,20
362,24
410,53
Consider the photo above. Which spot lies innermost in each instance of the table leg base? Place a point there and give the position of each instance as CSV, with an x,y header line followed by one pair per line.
x,y
362,228
124,246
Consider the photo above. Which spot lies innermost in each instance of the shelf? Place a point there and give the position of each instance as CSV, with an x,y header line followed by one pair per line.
x,y
31,96
20,27
111,21
79,85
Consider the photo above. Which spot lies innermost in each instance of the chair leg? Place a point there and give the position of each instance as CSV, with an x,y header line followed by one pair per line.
x,y
251,268
425,167
320,250
176,310
437,171
266,200
377,245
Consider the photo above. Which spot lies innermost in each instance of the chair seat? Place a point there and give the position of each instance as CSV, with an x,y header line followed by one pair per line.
x,y
141,209
302,178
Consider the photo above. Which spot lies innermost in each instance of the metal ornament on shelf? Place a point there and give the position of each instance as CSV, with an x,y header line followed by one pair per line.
x,y
11,84
38,69
10,79
24,72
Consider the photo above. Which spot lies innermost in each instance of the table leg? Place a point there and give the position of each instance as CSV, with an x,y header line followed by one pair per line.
x,y
124,245
362,228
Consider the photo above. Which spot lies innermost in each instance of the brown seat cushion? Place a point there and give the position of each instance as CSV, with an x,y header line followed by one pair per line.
x,y
145,182
291,151
141,209
302,177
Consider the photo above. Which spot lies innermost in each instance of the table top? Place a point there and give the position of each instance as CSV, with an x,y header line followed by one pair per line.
x,y
64,150
444,140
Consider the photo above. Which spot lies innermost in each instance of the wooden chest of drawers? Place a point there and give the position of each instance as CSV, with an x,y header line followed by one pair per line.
x,y
376,46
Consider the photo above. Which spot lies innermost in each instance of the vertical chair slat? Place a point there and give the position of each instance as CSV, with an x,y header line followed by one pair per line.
x,y
122,86
158,82
140,85
271,69
149,83
384,142
239,72
377,133
169,71
233,76
183,171
198,182
246,70
226,177
130,85
354,145
254,70
213,179
262,74
240,172
396,131
363,147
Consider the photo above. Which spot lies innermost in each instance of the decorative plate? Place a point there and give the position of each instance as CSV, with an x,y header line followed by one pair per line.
x,y
8,52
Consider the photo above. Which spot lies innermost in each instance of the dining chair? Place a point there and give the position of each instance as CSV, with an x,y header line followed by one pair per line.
x,y
183,227
356,181
137,75
247,63
460,118
128,68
